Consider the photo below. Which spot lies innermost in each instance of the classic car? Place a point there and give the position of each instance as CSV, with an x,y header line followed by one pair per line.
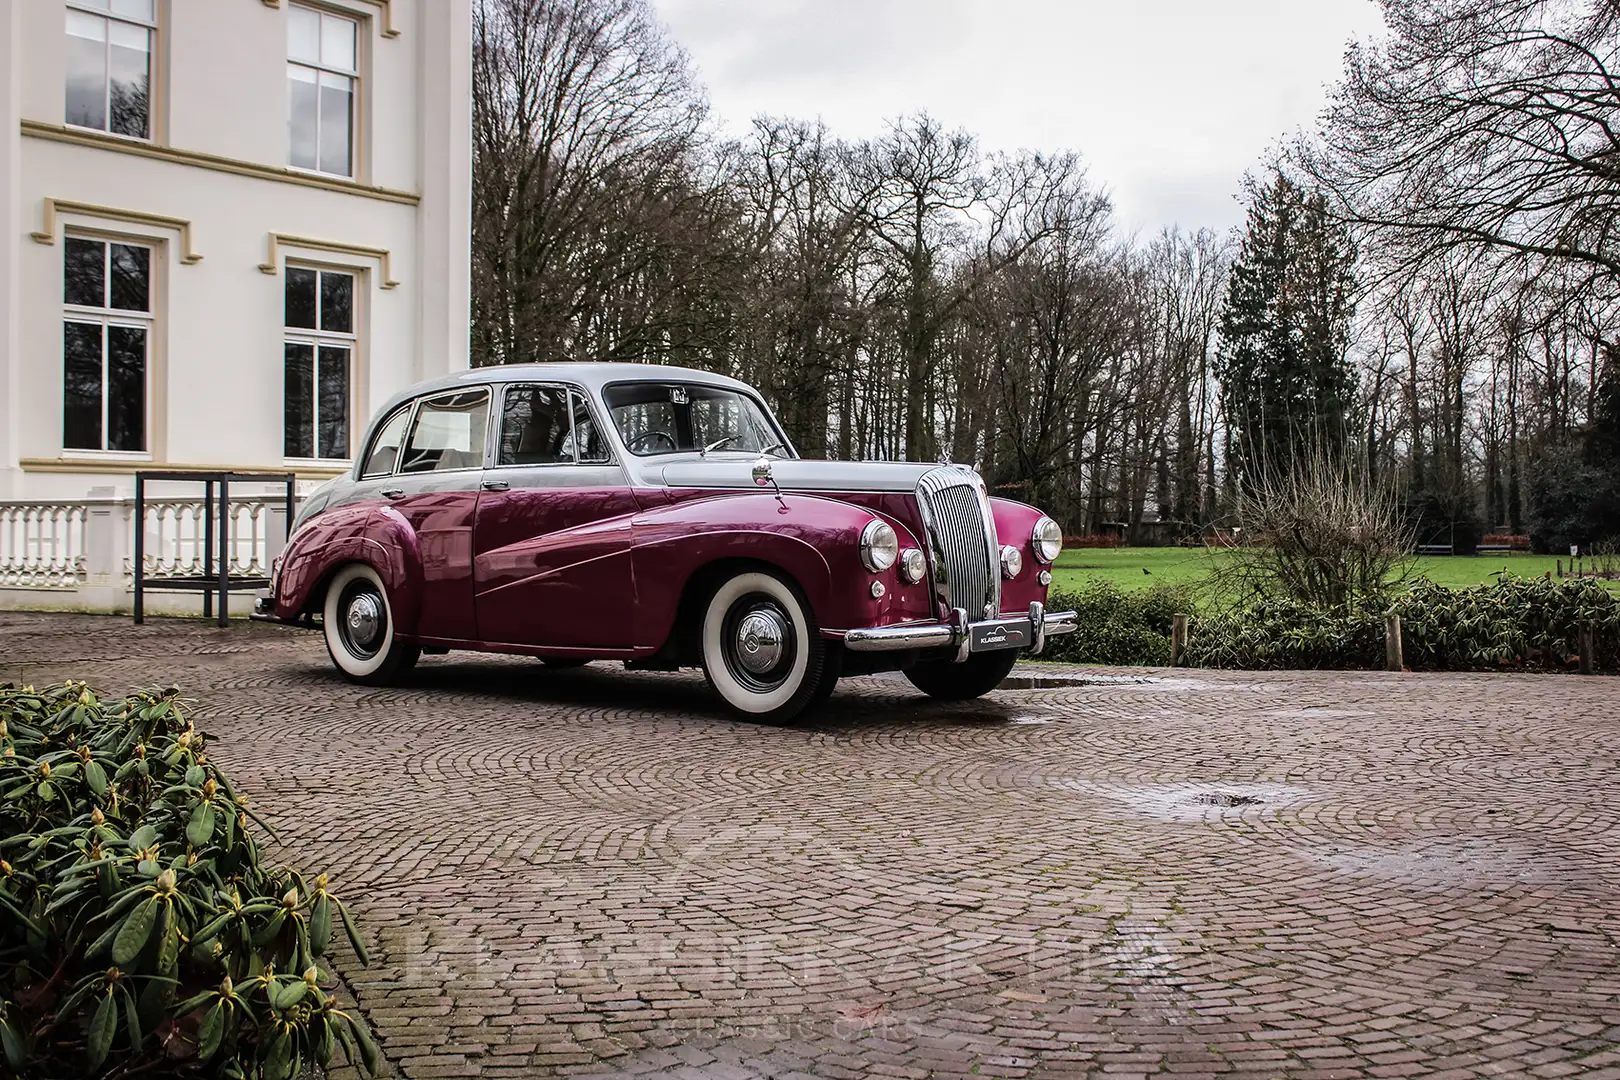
x,y
658,516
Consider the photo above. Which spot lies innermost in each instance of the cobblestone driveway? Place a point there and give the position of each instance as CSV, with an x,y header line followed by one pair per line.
x,y
1182,873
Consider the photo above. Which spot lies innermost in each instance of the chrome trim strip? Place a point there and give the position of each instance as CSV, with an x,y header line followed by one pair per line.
x,y
1037,628
899,638
944,635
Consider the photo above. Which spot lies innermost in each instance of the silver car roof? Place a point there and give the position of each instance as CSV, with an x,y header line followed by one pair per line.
x,y
589,377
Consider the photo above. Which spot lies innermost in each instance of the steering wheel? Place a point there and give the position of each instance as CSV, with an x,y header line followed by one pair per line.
x,y
635,443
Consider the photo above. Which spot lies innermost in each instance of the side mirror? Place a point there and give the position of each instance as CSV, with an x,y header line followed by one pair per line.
x,y
762,473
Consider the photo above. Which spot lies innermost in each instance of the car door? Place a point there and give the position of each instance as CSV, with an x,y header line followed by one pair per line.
x,y
552,533
435,490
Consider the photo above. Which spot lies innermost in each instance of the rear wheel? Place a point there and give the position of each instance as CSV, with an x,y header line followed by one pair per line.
x,y
359,627
762,651
974,677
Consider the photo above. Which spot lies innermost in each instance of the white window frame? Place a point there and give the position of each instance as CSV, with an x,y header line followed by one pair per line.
x,y
84,7
298,335
107,317
320,68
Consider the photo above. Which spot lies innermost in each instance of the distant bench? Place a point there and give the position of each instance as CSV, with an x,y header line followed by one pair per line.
x,y
1434,549
1485,548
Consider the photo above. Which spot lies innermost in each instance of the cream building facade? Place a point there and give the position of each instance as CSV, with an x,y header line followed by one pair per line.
x,y
234,227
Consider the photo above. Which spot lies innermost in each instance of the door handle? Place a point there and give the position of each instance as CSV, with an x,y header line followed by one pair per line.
x,y
393,493
495,485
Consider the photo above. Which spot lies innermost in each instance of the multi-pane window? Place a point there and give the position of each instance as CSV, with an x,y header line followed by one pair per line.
x,y
547,425
109,65
106,334
321,79
319,348
448,433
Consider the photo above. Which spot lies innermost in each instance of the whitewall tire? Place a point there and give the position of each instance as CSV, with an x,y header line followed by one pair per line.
x,y
762,651
358,622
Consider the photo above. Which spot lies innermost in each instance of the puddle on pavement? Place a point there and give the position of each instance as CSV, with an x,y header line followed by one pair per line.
x,y
1226,798
1021,681
1193,802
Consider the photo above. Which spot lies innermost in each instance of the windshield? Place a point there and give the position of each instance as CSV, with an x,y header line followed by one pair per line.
x,y
665,418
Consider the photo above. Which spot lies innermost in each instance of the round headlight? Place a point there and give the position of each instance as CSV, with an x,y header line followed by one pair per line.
x,y
879,546
1047,540
912,565
1011,561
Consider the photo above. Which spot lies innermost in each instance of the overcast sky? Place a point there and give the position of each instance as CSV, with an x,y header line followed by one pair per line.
x,y
1169,101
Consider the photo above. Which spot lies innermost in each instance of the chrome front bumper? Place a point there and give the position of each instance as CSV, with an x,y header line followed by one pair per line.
x,y
1012,632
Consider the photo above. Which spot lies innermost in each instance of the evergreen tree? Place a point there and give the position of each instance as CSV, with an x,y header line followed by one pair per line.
x,y
1286,381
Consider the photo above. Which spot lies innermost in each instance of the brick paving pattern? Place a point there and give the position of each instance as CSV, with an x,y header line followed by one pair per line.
x,y
1170,873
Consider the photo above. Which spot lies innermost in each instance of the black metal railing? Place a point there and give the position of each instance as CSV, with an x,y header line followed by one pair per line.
x,y
216,542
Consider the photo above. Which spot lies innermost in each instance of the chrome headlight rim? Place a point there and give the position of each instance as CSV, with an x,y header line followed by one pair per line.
x,y
1012,562
1046,540
913,566
880,546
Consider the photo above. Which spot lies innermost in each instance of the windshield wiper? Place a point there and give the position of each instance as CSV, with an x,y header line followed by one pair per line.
x,y
718,443
775,446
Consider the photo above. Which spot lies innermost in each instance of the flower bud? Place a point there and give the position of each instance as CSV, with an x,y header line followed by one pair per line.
x,y
165,881
291,899
96,816
5,868
312,976
208,787
225,986
44,768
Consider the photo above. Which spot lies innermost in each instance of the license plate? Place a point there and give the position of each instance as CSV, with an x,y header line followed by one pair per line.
x,y
1000,634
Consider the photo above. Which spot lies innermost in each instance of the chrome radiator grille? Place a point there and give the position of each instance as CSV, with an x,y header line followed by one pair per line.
x,y
961,532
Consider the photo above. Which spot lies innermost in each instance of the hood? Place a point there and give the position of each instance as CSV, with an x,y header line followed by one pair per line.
x,y
794,475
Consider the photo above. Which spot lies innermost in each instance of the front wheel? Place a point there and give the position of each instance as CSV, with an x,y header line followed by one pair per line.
x,y
359,627
762,651
974,677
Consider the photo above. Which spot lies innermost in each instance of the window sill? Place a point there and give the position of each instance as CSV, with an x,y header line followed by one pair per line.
x,y
105,455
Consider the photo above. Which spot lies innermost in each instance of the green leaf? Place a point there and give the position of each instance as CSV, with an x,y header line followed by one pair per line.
x,y
135,933
196,775
211,1031
284,995
143,837
131,1018
96,777
320,925
12,1045
46,791
370,1056
352,932
278,1055
103,1026
201,828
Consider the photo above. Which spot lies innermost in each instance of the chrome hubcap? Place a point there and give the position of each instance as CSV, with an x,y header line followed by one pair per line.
x,y
759,641
365,620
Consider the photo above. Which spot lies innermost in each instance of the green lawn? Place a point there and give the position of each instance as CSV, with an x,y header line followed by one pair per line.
x,y
1171,566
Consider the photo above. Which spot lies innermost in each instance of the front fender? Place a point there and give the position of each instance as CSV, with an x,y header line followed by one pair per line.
x,y
1015,526
815,540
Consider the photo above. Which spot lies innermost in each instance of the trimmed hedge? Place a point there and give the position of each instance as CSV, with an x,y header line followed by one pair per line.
x,y
1118,627
1518,623
141,931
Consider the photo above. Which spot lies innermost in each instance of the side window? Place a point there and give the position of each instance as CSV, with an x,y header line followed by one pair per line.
x,y
384,450
588,441
448,434
534,426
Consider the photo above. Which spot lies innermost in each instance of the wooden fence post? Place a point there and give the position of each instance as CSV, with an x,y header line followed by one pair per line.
x,y
1392,643
1178,640
1588,643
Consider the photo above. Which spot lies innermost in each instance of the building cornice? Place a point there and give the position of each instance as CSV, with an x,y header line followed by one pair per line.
x,y
47,230
92,465
214,162
383,256
387,6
